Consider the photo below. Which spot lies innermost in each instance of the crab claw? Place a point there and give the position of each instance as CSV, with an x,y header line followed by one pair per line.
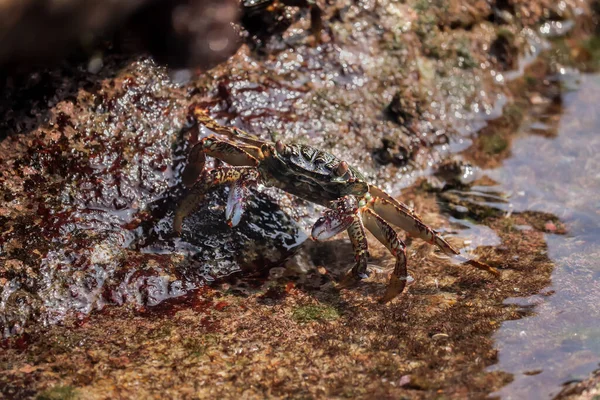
x,y
235,204
236,201
330,224
334,221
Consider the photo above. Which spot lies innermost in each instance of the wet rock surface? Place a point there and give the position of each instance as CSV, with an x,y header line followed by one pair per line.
x,y
98,298
88,202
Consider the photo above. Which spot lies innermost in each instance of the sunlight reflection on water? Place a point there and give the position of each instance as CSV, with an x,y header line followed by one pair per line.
x,y
559,175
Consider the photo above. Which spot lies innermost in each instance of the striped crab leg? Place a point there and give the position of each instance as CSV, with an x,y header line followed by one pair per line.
x,y
389,238
412,224
346,215
242,175
219,149
241,179
374,191
343,216
201,116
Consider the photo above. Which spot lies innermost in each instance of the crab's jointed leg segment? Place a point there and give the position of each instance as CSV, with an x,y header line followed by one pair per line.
x,y
377,192
343,215
210,180
358,238
415,227
233,133
409,223
389,238
225,151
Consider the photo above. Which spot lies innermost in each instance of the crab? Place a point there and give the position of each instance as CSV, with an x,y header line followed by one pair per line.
x,y
314,175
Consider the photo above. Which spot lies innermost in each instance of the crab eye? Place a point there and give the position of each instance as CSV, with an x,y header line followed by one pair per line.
x,y
279,146
341,169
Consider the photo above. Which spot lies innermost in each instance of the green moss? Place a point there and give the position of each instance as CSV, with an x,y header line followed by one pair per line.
x,y
64,343
421,5
197,346
592,46
194,347
161,333
530,80
315,313
58,393
493,144
508,225
427,21
513,114
464,56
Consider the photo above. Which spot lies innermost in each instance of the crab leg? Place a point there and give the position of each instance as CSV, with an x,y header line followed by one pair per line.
x,y
389,238
358,238
202,117
230,153
377,192
211,179
342,216
413,225
409,223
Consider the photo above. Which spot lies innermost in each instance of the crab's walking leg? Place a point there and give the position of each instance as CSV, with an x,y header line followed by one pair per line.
x,y
412,224
230,153
356,232
358,238
388,237
409,223
202,117
210,179
316,21
342,216
377,192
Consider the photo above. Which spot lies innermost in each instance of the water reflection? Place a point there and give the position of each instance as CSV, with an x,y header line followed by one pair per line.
x,y
557,172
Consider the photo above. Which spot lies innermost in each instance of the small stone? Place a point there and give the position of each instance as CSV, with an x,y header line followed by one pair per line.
x,y
536,99
550,226
404,380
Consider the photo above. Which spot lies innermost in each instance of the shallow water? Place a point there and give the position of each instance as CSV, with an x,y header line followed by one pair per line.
x,y
554,168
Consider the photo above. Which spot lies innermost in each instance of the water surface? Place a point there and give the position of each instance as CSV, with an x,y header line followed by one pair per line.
x,y
555,168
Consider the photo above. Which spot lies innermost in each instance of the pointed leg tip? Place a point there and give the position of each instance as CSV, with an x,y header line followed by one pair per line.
x,y
233,223
197,108
394,289
485,267
348,281
387,297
